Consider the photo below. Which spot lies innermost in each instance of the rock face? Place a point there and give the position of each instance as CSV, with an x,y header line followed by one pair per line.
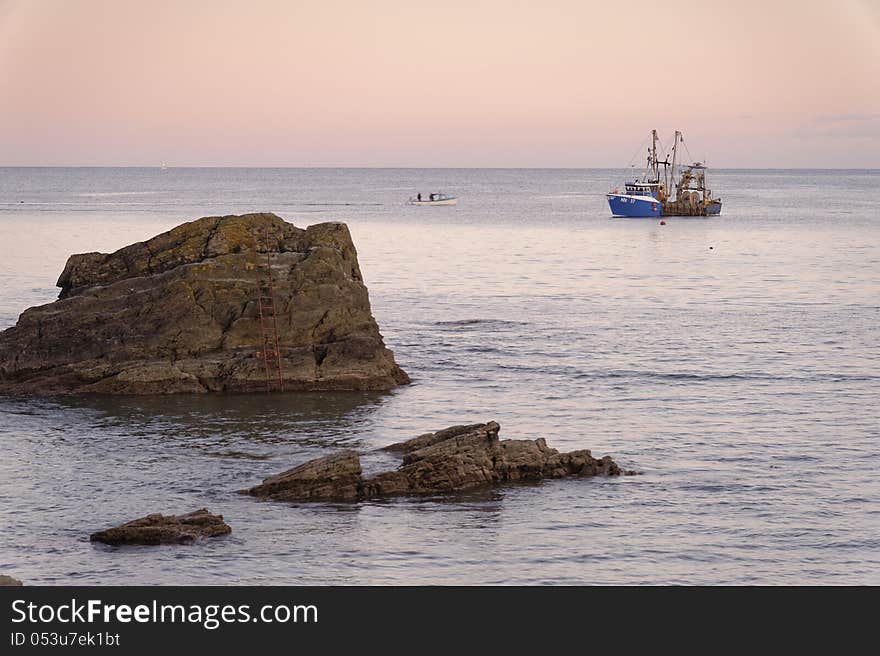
x,y
455,459
182,313
165,529
9,582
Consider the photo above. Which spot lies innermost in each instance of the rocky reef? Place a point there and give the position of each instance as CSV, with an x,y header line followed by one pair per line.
x,y
188,311
165,529
455,459
9,582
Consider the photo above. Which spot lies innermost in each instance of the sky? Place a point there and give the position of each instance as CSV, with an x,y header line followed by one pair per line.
x,y
472,83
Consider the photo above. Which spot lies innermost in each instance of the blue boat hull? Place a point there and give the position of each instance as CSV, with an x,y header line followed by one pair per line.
x,y
634,206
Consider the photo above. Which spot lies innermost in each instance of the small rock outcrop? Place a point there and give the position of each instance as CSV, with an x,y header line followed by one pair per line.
x,y
455,459
165,529
335,477
186,312
9,582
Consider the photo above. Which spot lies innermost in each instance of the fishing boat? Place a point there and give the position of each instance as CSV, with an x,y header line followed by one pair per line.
x,y
679,191
433,199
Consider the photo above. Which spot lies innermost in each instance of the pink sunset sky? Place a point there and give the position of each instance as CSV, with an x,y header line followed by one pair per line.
x,y
771,83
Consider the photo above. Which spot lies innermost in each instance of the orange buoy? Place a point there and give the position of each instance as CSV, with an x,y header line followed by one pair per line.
x,y
663,223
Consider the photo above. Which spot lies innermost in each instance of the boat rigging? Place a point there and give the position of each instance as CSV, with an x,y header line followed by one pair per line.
x,y
680,191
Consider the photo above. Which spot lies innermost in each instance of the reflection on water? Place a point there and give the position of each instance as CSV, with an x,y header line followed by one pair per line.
x,y
202,421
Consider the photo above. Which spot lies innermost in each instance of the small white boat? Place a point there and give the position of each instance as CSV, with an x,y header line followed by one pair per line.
x,y
433,199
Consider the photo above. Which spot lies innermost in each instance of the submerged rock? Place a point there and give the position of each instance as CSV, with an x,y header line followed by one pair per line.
x,y
9,582
182,312
455,459
165,529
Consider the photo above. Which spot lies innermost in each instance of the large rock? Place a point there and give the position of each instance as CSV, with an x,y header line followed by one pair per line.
x,y
455,459
165,529
181,313
9,582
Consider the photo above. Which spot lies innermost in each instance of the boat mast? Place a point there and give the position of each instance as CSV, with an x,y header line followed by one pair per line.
x,y
654,156
674,158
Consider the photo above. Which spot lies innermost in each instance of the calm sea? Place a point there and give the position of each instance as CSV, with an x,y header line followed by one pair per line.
x,y
735,361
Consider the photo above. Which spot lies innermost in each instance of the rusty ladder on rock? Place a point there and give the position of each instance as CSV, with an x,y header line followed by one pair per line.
x,y
271,352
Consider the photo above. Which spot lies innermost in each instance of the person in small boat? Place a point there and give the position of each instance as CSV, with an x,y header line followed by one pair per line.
x,y
419,197
433,197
